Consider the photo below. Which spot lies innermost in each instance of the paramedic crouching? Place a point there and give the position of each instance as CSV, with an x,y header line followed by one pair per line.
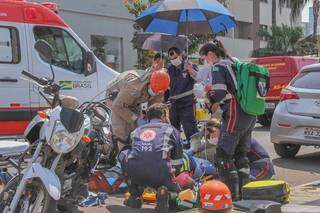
x,y
154,160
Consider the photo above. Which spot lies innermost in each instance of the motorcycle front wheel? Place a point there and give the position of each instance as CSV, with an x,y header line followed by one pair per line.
x,y
28,199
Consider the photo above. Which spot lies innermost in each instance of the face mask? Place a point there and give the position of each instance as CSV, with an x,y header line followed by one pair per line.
x,y
176,62
213,141
151,93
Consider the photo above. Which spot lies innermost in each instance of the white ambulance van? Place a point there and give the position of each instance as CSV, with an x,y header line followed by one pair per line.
x,y
77,70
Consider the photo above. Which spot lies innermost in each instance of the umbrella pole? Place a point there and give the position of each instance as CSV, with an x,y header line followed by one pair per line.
x,y
187,33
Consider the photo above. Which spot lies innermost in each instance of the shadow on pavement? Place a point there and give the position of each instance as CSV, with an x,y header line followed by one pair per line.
x,y
121,209
305,162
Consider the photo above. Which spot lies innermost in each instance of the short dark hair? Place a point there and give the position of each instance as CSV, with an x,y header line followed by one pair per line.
x,y
175,49
216,48
156,56
156,111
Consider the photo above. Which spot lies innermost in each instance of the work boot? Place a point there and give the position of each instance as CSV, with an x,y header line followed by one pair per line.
x,y
132,202
244,178
162,200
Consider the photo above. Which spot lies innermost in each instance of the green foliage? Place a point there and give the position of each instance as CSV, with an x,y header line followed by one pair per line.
x,y
285,40
135,7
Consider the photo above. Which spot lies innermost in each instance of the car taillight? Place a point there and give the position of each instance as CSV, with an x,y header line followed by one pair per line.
x,y
287,94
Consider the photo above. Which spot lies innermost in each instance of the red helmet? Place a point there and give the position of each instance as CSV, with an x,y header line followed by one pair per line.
x,y
159,81
185,181
215,196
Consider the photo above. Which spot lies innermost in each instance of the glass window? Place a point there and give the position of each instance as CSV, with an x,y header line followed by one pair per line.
x,y
108,50
243,30
67,52
307,80
9,45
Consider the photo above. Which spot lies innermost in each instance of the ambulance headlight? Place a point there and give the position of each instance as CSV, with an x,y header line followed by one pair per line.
x,y
62,141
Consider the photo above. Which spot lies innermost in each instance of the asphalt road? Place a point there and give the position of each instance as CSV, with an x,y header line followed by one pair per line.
x,y
300,170
304,168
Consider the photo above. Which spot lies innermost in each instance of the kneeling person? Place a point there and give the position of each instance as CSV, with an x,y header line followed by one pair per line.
x,y
155,158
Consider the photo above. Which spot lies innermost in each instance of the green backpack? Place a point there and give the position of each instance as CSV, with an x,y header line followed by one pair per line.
x,y
253,84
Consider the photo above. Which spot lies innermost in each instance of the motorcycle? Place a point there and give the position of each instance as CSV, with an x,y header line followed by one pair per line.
x,y
53,134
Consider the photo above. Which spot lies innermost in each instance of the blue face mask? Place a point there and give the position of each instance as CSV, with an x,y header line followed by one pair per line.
x,y
151,93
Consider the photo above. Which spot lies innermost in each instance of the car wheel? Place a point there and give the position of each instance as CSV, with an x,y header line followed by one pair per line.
x,y
265,120
287,150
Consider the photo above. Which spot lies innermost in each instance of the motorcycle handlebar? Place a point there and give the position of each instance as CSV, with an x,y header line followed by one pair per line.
x,y
40,81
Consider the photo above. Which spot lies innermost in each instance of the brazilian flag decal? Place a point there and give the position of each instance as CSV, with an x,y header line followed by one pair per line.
x,y
66,85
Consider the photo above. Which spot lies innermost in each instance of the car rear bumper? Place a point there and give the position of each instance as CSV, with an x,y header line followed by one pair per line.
x,y
289,128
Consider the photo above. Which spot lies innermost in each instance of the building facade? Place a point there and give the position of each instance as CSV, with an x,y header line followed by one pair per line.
x,y
239,41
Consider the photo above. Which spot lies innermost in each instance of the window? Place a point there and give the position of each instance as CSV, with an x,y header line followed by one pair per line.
x,y
9,45
108,50
307,80
243,30
67,52
264,28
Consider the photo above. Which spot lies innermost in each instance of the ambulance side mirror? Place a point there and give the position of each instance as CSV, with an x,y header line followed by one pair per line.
x,y
45,50
90,65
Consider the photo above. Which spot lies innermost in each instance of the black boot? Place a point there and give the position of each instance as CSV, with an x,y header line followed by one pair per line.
x,y
233,184
132,202
244,178
162,200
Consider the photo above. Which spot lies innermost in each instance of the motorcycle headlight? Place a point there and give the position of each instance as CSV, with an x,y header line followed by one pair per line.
x,y
62,141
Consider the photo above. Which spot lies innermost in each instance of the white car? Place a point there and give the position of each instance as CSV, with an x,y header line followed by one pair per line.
x,y
296,120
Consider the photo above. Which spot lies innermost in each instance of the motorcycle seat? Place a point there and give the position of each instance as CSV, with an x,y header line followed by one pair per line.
x,y
12,148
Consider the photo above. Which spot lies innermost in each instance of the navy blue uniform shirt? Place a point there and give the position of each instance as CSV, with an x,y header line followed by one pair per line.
x,y
180,82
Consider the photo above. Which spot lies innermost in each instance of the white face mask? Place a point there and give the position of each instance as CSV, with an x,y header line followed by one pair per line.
x,y
176,62
213,141
151,93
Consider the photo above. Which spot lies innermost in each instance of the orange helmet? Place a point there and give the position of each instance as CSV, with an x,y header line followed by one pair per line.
x,y
159,81
215,196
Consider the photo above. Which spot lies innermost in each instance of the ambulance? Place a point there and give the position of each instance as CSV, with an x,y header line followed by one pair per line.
x,y
77,70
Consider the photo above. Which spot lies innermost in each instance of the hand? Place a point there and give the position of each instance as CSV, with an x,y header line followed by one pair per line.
x,y
141,121
190,69
207,88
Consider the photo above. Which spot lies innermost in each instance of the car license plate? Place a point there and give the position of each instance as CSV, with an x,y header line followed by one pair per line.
x,y
312,132
270,105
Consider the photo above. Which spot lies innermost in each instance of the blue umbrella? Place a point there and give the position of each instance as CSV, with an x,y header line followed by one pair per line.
x,y
178,17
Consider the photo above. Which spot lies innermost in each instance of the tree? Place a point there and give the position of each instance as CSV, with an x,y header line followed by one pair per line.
x,y
274,12
297,6
135,7
256,24
285,40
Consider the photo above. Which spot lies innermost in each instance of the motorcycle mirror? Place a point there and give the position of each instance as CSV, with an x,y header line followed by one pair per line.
x,y
90,64
45,50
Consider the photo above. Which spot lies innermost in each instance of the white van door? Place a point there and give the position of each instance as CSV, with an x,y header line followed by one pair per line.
x,y
14,92
68,62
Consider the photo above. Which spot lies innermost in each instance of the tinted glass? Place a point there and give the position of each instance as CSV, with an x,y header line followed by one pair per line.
x,y
307,80
9,45
67,52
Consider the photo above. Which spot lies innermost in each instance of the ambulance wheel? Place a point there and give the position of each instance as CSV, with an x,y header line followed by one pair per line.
x,y
287,150
265,120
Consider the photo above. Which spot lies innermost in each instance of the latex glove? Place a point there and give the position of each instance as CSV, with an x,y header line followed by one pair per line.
x,y
141,121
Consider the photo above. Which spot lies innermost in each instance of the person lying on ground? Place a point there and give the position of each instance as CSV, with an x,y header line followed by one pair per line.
x,y
261,166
